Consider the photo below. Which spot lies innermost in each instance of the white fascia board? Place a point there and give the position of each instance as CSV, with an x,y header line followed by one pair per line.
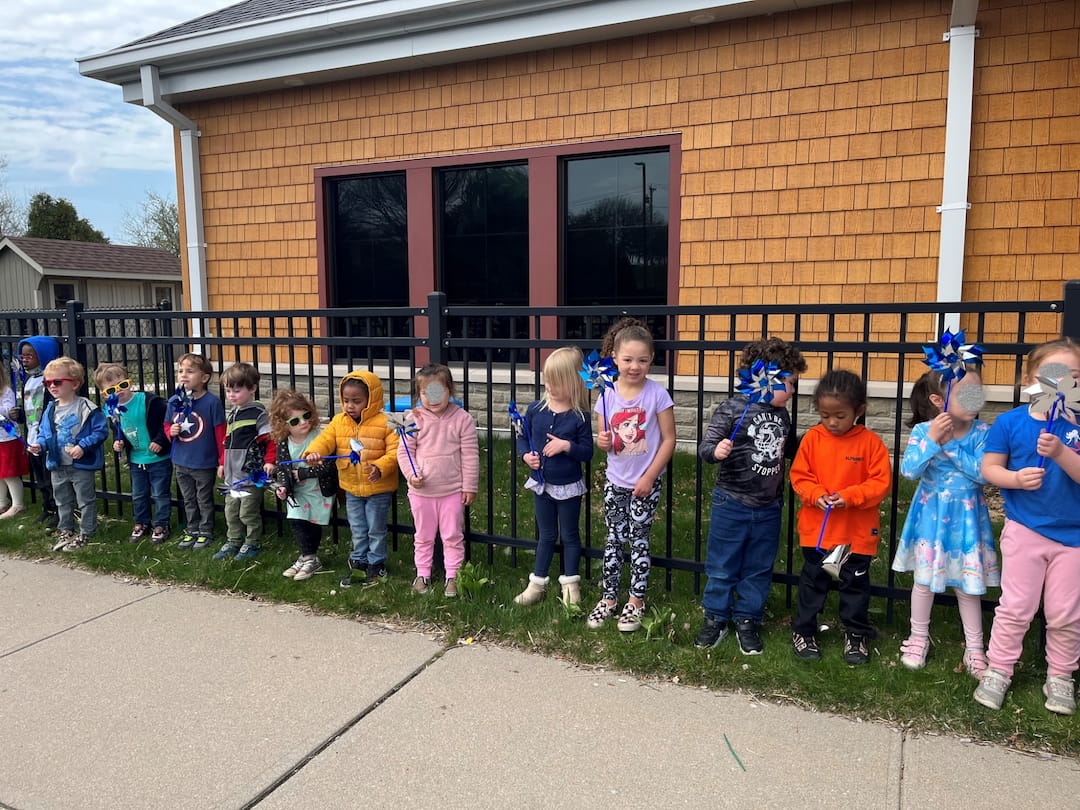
x,y
107,276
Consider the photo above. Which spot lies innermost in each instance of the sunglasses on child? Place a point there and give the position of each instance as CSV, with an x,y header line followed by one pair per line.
x,y
123,385
57,381
296,420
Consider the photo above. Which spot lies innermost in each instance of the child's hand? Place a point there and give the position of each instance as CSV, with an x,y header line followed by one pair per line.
x,y
1030,478
118,445
416,481
834,500
555,446
312,458
74,451
269,468
281,493
35,449
1049,445
374,473
603,440
532,459
15,414
644,486
174,429
221,471
941,429
467,498
723,449
154,447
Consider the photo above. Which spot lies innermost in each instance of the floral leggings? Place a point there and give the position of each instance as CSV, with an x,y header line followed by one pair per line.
x,y
629,520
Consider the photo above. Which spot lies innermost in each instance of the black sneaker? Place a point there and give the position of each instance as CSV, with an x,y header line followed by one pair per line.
x,y
50,520
749,640
805,647
711,633
355,567
376,572
855,651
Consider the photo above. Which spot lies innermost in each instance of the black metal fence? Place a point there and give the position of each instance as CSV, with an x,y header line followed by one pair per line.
x,y
308,350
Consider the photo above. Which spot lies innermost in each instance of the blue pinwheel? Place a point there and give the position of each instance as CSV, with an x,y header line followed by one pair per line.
x,y
12,429
517,421
243,487
599,372
405,427
113,409
950,358
759,383
356,448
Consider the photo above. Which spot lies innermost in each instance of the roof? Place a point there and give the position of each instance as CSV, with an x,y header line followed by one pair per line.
x,y
248,11
54,257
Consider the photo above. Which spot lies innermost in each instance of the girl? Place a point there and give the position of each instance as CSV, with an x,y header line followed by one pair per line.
x,y
560,430
309,490
947,538
840,473
445,453
1040,544
13,460
634,471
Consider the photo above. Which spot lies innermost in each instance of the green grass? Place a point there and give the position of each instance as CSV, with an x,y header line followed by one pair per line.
x,y
936,699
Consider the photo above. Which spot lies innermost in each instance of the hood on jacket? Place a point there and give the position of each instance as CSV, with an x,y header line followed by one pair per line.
x,y
376,399
47,348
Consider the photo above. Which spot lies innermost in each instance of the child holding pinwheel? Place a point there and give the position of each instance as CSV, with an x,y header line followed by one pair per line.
x,y
748,438
554,441
841,473
369,481
1035,460
138,421
13,460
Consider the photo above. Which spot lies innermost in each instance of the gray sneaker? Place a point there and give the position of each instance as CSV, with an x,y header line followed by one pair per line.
x,y
992,688
1060,694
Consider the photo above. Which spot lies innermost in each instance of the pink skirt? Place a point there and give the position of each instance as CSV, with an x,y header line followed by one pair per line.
x,y
13,460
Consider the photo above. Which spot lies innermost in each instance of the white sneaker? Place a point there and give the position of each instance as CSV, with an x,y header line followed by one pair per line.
x,y
1060,694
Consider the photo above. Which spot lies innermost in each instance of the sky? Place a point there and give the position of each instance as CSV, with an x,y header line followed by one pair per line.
x,y
75,137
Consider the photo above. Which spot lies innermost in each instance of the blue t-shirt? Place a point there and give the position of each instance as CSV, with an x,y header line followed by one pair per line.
x,y
1053,510
196,447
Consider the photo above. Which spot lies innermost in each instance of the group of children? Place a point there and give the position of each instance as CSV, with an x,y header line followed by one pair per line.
x,y
839,469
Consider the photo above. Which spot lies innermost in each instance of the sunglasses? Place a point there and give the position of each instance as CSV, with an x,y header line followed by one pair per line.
x,y
57,381
296,420
123,385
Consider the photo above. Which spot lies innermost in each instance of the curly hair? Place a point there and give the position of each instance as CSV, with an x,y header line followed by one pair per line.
x,y
284,401
623,331
776,351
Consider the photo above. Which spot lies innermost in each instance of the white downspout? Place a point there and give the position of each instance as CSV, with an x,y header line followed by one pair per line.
x,y
954,203
192,185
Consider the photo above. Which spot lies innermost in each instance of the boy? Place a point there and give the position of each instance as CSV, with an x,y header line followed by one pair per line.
x,y
71,433
370,485
138,421
247,451
34,354
744,527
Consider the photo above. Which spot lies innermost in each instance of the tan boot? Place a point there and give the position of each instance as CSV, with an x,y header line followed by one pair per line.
x,y
571,590
534,592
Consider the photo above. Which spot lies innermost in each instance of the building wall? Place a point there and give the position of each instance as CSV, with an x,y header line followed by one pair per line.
x,y
124,293
812,153
18,280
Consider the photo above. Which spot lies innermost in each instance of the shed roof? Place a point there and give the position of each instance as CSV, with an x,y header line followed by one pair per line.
x,y
61,257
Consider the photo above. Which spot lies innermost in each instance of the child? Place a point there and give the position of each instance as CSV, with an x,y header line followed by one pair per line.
x,y
71,433
35,353
195,420
840,473
1040,544
370,485
559,427
140,428
13,459
947,538
309,491
744,527
446,455
635,467
246,452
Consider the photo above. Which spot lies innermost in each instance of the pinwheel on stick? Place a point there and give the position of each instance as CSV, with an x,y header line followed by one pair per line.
x,y
517,421
1055,389
600,373
404,426
243,487
113,409
12,429
759,383
950,358
356,448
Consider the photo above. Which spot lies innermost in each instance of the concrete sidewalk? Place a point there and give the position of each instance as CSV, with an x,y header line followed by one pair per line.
x,y
118,695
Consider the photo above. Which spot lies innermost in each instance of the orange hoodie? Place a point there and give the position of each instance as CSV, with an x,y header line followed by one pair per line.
x,y
854,466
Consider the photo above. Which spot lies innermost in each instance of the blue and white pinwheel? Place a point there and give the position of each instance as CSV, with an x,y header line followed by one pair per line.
x,y
1055,389
599,372
759,383
243,487
405,427
356,447
12,429
950,358
520,426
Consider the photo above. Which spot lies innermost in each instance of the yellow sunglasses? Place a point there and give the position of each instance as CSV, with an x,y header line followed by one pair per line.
x,y
123,385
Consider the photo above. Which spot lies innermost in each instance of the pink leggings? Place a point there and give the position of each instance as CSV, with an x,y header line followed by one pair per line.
x,y
1033,566
445,516
922,600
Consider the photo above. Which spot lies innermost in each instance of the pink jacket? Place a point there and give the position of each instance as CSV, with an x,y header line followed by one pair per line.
x,y
445,451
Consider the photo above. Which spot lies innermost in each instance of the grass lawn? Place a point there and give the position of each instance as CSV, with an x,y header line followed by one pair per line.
x,y
936,699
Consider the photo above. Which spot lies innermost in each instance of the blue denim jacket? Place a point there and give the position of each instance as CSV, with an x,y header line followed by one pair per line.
x,y
93,431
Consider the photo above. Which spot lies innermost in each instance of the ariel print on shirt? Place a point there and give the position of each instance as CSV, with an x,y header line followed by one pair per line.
x,y
628,425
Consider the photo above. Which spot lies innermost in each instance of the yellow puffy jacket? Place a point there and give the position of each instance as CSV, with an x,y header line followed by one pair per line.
x,y
379,438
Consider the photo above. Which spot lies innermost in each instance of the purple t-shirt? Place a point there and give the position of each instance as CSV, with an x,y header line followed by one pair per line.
x,y
635,431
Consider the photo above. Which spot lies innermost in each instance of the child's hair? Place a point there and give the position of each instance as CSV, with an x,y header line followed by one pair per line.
x,y
356,382
283,402
437,371
623,331
922,409
5,383
66,367
776,351
1043,350
240,375
844,385
561,370
198,361
106,373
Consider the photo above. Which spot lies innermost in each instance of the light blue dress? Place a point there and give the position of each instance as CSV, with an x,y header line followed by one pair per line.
x,y
947,540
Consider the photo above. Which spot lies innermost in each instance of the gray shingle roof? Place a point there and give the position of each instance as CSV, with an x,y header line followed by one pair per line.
x,y
81,257
248,11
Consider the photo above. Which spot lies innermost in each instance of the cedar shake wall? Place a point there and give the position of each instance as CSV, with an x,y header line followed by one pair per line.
x,y
812,155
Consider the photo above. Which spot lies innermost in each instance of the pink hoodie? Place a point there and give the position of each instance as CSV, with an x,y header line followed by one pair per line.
x,y
445,450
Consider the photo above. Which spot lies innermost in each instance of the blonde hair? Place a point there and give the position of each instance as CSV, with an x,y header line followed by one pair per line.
x,y
1043,350
107,372
561,371
283,402
65,367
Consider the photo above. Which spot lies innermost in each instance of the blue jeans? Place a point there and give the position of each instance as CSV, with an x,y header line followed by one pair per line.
x,y
555,518
367,522
739,560
150,484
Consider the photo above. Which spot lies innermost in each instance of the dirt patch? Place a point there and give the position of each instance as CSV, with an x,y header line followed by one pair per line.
x,y
995,503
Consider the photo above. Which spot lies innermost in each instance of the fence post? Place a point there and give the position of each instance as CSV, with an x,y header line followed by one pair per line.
x,y
436,327
75,330
1070,321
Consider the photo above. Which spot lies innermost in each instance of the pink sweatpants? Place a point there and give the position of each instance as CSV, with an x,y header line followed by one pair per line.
x,y
445,516
1034,566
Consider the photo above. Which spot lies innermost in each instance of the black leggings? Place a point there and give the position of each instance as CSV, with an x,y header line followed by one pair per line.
x,y
308,535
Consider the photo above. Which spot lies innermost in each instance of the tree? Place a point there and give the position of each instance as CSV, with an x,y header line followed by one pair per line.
x,y
155,224
12,214
58,219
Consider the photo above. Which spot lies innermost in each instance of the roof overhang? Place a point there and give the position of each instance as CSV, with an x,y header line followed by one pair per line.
x,y
371,37
50,272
